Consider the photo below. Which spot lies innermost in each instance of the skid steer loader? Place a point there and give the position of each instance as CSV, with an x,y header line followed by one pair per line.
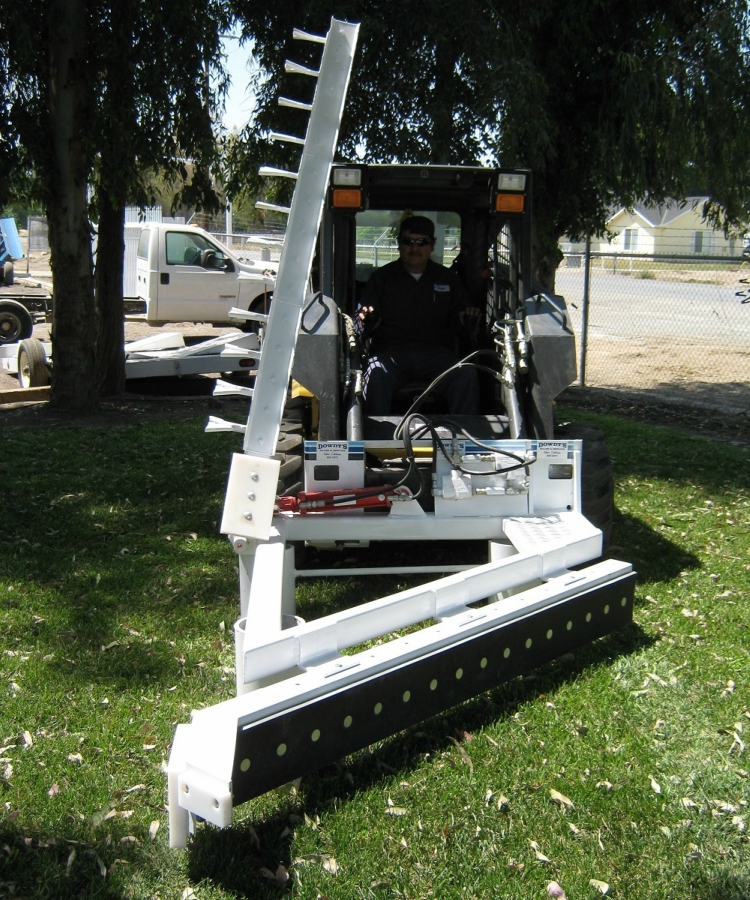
x,y
316,471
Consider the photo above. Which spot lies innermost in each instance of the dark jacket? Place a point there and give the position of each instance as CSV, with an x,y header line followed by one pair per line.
x,y
407,311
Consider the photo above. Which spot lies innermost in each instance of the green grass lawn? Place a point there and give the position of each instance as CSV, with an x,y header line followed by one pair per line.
x,y
625,766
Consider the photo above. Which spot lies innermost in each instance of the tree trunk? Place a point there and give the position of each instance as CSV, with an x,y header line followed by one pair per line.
x,y
545,258
442,102
110,252
73,323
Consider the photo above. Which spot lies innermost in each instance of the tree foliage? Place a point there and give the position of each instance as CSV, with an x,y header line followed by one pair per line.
x,y
608,103
96,95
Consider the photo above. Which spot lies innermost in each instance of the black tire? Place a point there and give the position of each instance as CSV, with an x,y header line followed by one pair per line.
x,y
8,274
290,451
32,364
261,304
597,479
16,323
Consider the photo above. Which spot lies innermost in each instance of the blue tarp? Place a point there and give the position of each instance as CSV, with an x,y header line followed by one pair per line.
x,y
10,242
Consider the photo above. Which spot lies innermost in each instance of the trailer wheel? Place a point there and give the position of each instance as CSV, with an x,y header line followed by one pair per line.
x,y
32,364
8,274
597,480
16,323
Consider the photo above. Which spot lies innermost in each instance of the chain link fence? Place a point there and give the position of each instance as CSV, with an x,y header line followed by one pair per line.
x,y
676,325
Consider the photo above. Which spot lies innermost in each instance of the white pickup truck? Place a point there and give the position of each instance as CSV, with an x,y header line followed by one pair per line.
x,y
185,275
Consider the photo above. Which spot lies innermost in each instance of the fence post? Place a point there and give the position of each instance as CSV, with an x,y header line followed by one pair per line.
x,y
585,314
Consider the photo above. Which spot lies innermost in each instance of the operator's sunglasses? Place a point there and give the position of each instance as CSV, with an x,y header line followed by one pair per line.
x,y
415,242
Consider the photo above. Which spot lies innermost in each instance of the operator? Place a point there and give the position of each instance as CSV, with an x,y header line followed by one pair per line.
x,y
413,310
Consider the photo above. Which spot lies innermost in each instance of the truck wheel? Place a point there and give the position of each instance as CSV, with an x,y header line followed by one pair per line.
x,y
290,449
597,480
16,323
32,364
261,304
8,274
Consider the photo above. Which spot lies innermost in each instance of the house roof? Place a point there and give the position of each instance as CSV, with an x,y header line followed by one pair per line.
x,y
661,214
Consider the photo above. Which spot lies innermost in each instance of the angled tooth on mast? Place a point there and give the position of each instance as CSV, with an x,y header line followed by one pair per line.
x,y
296,69
273,207
271,172
300,35
295,104
288,138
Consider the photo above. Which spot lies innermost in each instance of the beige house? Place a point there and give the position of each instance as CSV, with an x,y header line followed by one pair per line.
x,y
677,228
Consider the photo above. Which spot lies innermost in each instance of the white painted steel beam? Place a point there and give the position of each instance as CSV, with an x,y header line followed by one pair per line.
x,y
296,258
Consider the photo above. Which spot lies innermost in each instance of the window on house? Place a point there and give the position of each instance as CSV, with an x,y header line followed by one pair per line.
x,y
701,242
630,239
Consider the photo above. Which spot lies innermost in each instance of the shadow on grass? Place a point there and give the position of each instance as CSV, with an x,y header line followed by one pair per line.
x,y
231,858
64,868
721,885
654,557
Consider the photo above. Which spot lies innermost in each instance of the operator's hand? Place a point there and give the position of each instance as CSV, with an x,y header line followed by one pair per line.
x,y
469,318
368,319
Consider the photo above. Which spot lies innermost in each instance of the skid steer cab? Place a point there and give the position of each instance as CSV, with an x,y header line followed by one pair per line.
x,y
521,346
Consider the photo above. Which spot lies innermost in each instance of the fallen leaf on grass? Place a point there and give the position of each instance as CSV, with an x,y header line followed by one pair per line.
x,y
655,786
396,811
515,866
130,790
153,828
75,758
503,803
555,891
71,860
280,876
600,886
26,739
688,803
738,743
330,865
54,790
561,799
463,754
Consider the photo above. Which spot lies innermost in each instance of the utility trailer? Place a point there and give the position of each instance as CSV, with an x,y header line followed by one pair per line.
x,y
22,303
321,472
159,356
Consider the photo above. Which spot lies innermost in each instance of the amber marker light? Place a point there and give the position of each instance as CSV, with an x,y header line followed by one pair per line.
x,y
347,198
509,203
